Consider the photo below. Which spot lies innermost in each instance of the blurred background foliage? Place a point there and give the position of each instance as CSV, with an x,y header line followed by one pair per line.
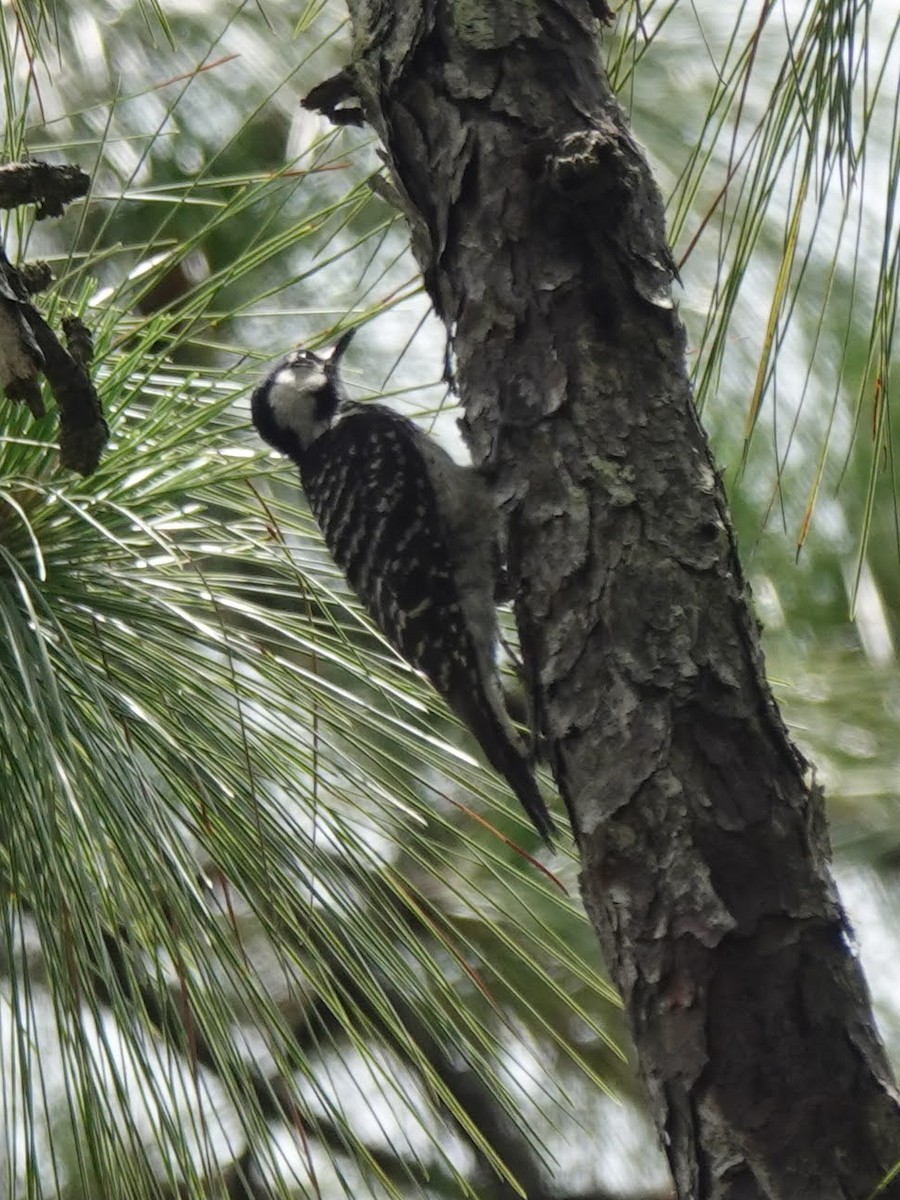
x,y
268,928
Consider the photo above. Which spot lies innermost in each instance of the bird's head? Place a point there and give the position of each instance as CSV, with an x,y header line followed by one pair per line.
x,y
298,399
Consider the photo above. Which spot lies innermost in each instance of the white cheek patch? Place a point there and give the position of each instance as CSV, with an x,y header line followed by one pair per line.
x,y
292,398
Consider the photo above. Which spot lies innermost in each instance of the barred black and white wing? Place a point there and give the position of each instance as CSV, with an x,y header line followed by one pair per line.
x,y
374,503
400,525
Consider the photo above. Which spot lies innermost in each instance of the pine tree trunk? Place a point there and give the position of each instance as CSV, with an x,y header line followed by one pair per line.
x,y
705,853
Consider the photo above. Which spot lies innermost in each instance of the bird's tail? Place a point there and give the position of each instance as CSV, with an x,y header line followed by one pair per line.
x,y
486,717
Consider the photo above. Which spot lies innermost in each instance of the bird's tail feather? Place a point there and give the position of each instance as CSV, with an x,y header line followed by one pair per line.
x,y
503,749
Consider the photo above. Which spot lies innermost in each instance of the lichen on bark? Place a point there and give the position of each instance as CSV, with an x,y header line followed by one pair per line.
x,y
704,848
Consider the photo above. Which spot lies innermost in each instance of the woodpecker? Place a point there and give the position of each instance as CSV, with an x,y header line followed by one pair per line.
x,y
414,533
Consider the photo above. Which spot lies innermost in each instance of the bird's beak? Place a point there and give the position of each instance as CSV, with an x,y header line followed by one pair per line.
x,y
341,345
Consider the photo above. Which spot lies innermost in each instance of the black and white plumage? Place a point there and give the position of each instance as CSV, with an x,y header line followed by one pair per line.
x,y
414,533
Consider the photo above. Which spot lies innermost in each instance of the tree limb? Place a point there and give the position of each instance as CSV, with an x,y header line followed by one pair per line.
x,y
539,231
49,186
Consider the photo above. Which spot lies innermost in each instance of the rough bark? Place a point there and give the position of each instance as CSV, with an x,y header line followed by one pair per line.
x,y
705,853
29,347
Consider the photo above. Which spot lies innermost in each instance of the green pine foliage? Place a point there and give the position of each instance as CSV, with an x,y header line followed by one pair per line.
x,y
268,926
